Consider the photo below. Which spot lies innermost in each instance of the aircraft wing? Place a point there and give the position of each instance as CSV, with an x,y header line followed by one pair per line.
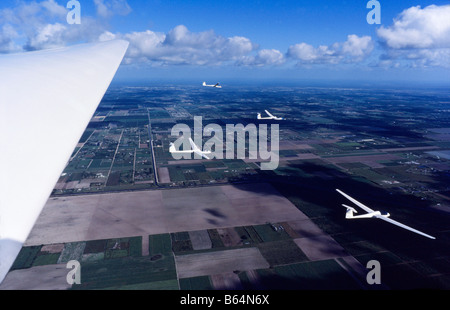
x,y
356,202
389,220
47,99
269,113
197,150
194,147
201,154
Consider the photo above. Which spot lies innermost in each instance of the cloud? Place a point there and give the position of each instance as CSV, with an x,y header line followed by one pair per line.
x,y
7,36
306,53
181,46
40,25
264,57
53,8
418,28
29,22
61,34
355,49
110,8
27,15
418,37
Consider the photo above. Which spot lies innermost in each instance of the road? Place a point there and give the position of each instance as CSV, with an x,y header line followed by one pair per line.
x,y
155,170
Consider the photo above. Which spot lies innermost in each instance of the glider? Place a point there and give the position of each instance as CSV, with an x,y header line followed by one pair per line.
x,y
270,116
47,100
194,149
215,86
374,214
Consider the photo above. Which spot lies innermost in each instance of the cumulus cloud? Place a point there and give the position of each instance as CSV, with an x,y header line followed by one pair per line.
x,y
357,47
61,34
54,8
353,50
41,25
419,28
110,8
27,15
264,57
30,22
7,36
181,46
419,37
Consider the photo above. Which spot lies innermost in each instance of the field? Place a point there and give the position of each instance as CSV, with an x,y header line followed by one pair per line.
x,y
194,265
256,256
103,216
136,218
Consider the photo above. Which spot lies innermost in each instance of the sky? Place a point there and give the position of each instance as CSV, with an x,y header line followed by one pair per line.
x,y
293,41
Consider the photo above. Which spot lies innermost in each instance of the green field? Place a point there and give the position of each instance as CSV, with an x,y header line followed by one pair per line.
x,y
281,252
196,283
126,272
26,257
267,233
319,275
160,244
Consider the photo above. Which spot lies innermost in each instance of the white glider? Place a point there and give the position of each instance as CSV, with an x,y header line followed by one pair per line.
x,y
194,149
270,116
47,99
215,85
374,214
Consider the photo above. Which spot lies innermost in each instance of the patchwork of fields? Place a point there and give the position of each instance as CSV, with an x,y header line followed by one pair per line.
x,y
219,238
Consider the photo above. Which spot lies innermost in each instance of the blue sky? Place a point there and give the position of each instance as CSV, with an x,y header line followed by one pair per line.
x,y
247,40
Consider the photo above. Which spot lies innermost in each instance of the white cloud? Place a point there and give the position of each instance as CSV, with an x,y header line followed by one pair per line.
x,y
54,8
32,23
357,47
107,36
110,8
48,36
419,28
181,46
7,36
419,37
303,51
353,50
61,34
39,25
264,57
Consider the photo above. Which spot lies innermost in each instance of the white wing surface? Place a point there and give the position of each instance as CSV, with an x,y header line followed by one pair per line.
x,y
403,226
378,215
201,154
194,146
197,150
47,99
356,202
269,114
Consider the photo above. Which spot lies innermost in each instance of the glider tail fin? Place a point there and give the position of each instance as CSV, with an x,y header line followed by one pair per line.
x,y
350,211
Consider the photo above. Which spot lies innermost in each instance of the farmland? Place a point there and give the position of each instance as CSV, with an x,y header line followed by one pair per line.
x,y
137,218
